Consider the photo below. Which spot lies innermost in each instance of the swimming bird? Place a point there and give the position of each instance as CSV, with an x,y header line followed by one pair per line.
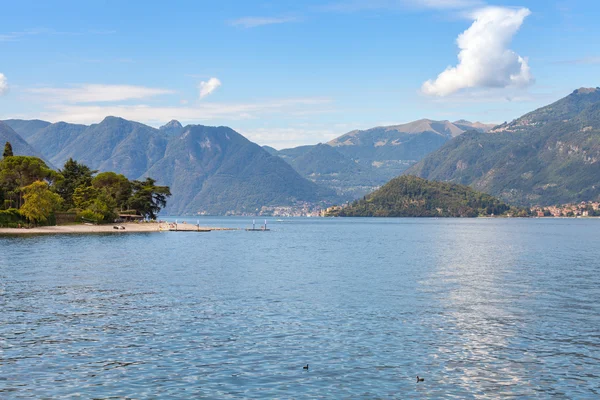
x,y
305,367
420,379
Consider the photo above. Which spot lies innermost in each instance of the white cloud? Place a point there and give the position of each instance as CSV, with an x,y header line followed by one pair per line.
x,y
91,93
484,58
208,87
253,22
3,84
282,138
158,115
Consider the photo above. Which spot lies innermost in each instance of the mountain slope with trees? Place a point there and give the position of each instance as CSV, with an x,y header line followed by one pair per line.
x,y
393,149
549,156
327,167
216,170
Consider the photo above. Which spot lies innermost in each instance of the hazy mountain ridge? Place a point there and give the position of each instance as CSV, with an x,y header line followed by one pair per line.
x,y
359,161
393,149
26,128
224,171
326,166
20,147
548,156
51,139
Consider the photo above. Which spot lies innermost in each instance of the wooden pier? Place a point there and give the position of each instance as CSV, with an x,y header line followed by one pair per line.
x,y
178,227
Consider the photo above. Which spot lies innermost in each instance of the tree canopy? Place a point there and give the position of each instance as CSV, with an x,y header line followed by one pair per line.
x,y
74,175
147,198
40,202
16,172
409,196
35,191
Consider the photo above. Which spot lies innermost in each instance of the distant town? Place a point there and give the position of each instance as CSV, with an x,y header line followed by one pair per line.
x,y
583,209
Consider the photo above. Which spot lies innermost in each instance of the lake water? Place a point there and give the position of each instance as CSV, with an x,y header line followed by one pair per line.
x,y
481,308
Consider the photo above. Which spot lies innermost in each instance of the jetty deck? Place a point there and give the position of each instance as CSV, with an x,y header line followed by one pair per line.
x,y
175,227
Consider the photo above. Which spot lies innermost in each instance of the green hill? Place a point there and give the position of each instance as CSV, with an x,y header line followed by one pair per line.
x,y
409,196
549,156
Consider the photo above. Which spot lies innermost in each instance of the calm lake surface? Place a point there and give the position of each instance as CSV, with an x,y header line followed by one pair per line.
x,y
482,308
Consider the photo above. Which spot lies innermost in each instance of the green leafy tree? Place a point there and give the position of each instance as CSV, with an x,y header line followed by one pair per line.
x,y
74,175
40,202
105,206
147,198
16,172
115,186
95,200
8,151
84,196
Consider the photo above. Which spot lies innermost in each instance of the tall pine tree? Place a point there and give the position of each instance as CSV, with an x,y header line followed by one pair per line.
x,y
8,152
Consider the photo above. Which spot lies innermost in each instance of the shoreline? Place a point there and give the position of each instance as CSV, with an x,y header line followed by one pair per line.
x,y
129,228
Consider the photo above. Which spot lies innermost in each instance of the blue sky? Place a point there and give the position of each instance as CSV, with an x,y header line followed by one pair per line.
x,y
285,73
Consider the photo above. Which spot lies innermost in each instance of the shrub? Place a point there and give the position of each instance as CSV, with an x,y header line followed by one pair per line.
x,y
89,216
11,217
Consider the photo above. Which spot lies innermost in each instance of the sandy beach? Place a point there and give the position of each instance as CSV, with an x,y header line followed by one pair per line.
x,y
84,228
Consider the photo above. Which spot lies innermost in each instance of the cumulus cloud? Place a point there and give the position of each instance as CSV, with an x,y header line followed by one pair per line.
x,y
3,84
91,93
209,86
485,61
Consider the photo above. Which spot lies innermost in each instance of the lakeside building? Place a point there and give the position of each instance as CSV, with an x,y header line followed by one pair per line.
x,y
583,209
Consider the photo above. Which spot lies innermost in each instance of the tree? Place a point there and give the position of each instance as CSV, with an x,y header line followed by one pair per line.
x,y
84,196
95,200
115,186
147,198
16,172
40,202
74,175
8,151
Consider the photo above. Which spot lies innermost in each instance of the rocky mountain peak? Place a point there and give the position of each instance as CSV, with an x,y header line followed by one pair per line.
x,y
172,128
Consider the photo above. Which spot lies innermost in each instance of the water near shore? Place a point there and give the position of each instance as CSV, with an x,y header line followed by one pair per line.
x,y
481,308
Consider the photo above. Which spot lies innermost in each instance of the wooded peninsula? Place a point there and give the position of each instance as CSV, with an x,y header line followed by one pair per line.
x,y
31,193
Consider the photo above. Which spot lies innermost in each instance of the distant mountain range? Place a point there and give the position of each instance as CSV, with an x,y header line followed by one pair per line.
x,y
548,156
360,161
393,149
210,170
